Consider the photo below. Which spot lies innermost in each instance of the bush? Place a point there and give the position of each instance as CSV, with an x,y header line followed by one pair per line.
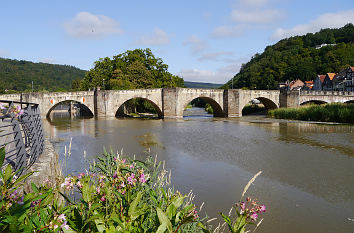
x,y
336,112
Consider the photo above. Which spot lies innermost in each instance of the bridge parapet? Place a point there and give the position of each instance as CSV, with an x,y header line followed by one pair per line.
x,y
337,93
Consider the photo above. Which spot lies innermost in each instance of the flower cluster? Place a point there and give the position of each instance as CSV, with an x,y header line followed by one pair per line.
x,y
59,222
14,197
7,110
250,209
68,183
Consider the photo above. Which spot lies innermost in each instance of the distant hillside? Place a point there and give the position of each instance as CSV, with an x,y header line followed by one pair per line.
x,y
299,57
201,85
18,75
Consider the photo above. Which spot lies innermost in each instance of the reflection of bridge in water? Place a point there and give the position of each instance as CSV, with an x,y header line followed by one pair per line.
x,y
170,102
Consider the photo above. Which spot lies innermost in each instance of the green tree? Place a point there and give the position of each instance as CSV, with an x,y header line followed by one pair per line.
x,y
133,69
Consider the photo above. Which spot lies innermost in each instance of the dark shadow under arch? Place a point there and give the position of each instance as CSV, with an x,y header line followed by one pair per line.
x,y
218,112
121,110
84,110
349,102
267,103
318,102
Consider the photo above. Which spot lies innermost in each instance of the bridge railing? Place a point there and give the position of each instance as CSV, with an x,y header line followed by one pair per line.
x,y
345,93
21,134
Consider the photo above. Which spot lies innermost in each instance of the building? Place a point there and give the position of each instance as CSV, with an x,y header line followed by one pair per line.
x,y
344,80
318,82
327,82
296,85
308,85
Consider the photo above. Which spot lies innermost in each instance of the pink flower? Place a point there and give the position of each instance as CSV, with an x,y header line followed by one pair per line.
x,y
98,190
123,161
263,208
142,178
103,198
254,216
131,179
79,184
115,175
243,205
131,166
81,175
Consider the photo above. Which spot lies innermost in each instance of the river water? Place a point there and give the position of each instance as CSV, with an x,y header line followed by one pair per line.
x,y
307,181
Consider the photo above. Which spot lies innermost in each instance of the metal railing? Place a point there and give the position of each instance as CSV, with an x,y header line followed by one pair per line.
x,y
21,134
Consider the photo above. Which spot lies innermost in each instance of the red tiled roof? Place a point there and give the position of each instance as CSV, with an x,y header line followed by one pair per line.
x,y
331,75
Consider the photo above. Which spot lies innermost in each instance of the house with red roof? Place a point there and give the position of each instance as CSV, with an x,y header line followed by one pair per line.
x,y
328,82
318,82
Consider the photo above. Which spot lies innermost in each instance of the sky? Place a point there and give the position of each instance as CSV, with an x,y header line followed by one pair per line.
x,y
201,41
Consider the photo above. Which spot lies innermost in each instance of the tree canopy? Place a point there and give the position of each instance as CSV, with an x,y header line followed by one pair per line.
x,y
298,58
133,69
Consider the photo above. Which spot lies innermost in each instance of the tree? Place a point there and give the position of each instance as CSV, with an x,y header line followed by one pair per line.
x,y
131,70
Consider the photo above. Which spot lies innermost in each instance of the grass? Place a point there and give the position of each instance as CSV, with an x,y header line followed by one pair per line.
x,y
335,112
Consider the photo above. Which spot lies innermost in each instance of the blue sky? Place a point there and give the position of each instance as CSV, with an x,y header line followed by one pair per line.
x,y
204,41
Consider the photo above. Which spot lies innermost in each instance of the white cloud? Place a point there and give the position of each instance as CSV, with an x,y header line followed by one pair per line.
x,y
216,56
228,31
257,16
196,44
47,60
329,20
159,37
222,75
87,25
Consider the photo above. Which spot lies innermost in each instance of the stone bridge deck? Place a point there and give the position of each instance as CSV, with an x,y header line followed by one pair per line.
x,y
171,102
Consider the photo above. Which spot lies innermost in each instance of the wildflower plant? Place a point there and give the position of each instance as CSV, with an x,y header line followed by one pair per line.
x,y
116,195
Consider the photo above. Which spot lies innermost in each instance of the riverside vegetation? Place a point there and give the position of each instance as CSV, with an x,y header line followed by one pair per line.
x,y
116,195
335,112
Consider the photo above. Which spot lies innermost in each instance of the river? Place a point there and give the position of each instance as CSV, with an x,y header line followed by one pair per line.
x,y
307,181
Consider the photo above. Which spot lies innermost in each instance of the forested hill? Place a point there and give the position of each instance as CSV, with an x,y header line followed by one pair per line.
x,y
298,58
18,75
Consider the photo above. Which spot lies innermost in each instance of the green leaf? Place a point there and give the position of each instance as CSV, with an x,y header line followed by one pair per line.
x,y
204,229
162,228
163,219
134,212
22,178
2,156
178,202
68,230
34,188
171,211
100,225
8,173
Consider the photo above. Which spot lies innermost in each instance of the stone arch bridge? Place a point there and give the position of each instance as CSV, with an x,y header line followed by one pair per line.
x,y
171,102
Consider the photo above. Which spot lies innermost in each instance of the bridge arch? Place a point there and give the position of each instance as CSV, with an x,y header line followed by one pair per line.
x,y
218,111
318,102
268,103
120,110
55,104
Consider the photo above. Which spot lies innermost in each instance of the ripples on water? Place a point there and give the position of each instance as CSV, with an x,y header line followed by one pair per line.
x,y
308,169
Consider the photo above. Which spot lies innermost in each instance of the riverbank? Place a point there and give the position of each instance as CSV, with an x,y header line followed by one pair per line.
x,y
336,112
